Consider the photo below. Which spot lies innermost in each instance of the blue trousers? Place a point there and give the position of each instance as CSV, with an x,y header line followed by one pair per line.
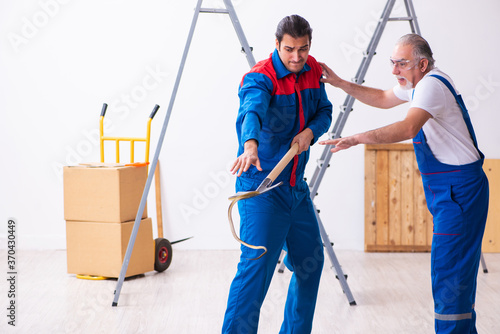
x,y
281,218
459,205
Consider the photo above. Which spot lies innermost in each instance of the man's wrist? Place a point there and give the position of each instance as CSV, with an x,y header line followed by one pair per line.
x,y
346,86
310,134
251,144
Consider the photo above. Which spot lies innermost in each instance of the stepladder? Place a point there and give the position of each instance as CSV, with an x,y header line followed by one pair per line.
x,y
324,162
229,10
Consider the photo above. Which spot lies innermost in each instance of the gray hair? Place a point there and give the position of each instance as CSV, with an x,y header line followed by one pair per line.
x,y
421,49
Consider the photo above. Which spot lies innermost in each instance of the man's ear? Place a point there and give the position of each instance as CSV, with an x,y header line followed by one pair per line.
x,y
424,64
277,44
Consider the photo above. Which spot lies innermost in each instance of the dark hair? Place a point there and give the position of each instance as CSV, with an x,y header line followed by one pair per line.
x,y
295,26
421,49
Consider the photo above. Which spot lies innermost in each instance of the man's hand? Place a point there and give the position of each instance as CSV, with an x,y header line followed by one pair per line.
x,y
329,76
249,157
304,140
341,143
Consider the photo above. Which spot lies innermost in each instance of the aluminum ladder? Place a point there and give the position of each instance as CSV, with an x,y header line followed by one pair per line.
x,y
251,61
324,162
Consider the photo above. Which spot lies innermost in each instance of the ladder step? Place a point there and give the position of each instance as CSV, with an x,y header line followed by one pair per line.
x,y
355,80
407,18
243,49
321,162
214,10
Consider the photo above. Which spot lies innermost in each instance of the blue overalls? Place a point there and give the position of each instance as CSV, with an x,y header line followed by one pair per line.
x,y
281,218
457,197
275,105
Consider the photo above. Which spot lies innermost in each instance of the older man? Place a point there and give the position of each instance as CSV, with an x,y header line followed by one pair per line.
x,y
456,188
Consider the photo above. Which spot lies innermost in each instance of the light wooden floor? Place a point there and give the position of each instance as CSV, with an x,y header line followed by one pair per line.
x,y
392,291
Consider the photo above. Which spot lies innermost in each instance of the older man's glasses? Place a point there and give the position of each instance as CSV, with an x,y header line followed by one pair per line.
x,y
402,64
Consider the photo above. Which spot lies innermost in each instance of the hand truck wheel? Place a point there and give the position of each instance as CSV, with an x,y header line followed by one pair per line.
x,y
163,254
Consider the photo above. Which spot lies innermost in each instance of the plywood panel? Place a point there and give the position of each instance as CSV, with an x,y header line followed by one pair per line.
x,y
396,215
370,198
407,205
382,197
394,197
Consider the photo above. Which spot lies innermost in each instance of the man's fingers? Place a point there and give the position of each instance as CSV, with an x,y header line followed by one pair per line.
x,y
234,166
324,68
335,149
257,164
329,142
241,169
302,148
243,163
340,145
238,167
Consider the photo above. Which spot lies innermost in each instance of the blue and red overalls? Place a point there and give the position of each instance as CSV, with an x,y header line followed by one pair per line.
x,y
276,105
457,197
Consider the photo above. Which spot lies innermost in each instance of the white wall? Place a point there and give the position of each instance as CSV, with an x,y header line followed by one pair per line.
x,y
60,60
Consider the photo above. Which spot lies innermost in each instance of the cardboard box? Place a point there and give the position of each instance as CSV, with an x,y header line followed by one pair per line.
x,y
103,194
98,249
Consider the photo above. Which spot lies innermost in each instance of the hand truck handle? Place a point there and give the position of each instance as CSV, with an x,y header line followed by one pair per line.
x,y
153,113
103,111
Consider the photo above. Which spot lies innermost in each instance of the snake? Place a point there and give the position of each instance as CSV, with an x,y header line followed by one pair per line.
x,y
264,186
231,224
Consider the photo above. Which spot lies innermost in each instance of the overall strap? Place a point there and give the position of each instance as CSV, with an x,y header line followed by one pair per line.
x,y
461,104
447,83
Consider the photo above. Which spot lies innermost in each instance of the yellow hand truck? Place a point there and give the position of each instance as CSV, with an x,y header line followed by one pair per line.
x,y
163,247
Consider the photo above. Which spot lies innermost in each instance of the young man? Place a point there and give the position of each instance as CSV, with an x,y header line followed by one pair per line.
x,y
282,102
456,188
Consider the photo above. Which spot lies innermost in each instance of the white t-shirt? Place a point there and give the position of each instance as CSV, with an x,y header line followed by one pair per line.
x,y
446,132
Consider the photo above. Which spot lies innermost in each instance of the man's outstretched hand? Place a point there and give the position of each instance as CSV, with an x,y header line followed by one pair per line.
x,y
249,157
340,143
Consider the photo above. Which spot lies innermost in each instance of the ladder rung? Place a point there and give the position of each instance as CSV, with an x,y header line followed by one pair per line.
x,y
321,162
407,18
344,108
214,10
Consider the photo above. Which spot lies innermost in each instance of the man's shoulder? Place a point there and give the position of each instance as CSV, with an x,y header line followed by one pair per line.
x,y
313,64
431,94
431,77
311,61
265,67
262,70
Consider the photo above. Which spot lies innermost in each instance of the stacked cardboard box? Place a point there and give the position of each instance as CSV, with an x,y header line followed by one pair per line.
x,y
100,205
